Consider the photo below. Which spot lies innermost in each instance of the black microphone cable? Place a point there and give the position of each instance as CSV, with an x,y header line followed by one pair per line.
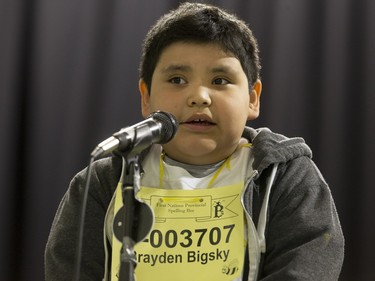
x,y
81,226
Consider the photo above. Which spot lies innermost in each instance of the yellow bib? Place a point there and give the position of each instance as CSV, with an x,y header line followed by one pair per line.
x,y
198,235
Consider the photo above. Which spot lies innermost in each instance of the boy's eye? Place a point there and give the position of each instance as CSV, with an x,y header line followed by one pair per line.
x,y
177,80
220,81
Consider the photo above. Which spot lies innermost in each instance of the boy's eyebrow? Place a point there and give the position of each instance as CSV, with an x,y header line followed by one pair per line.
x,y
177,67
222,69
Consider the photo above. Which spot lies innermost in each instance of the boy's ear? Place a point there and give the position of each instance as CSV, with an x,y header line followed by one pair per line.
x,y
254,105
145,98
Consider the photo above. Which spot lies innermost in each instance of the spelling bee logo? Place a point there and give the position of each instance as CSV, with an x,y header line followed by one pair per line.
x,y
221,208
218,209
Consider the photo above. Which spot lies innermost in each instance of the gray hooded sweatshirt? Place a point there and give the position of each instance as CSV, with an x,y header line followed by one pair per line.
x,y
294,231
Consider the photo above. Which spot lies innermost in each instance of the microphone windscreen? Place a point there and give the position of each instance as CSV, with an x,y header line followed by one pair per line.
x,y
168,123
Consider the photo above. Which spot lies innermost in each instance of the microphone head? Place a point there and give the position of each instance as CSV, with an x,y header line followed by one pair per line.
x,y
168,123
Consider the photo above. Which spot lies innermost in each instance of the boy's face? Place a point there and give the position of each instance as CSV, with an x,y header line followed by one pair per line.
x,y
207,91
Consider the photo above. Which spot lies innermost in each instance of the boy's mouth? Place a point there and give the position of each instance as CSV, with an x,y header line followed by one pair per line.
x,y
199,121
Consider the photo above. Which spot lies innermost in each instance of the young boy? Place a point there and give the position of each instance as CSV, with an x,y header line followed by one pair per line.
x,y
230,202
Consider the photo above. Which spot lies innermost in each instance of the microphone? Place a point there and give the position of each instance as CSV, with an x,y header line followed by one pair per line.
x,y
160,127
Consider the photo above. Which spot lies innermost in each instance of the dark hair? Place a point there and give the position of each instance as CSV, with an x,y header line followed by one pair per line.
x,y
201,23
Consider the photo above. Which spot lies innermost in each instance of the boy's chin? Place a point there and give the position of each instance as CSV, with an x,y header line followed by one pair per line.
x,y
195,154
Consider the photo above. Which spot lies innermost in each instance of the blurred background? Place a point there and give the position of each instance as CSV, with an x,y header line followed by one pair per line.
x,y
69,79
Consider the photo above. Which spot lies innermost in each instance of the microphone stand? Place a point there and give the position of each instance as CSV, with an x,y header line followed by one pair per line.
x,y
127,226
128,260
129,143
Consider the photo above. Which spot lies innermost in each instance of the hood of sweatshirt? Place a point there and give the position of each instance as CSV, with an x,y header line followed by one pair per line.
x,y
271,148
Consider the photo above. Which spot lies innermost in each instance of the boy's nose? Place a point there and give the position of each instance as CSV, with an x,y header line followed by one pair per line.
x,y
199,97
